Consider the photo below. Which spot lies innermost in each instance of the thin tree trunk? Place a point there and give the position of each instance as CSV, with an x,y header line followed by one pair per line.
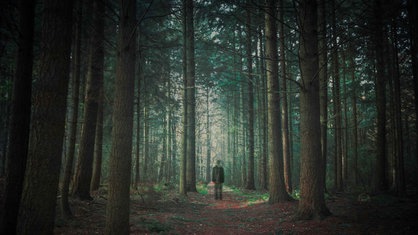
x,y
413,28
264,149
191,100
285,115
399,181
94,81
323,83
98,145
208,139
147,172
250,175
72,132
339,184
138,118
38,204
355,115
19,120
381,181
183,160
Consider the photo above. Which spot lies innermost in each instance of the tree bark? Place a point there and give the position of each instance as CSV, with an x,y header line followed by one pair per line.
x,y
117,210
285,114
338,163
19,120
250,174
94,80
191,100
38,204
399,181
72,132
98,145
413,32
183,160
208,138
381,180
264,149
323,83
312,201
277,188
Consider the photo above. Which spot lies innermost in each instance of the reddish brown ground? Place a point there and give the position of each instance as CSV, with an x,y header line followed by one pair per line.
x,y
241,213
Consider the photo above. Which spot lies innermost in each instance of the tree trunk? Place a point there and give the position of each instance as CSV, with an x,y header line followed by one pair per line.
x,y
98,145
381,181
38,204
276,179
355,115
19,120
285,115
191,100
312,201
146,141
323,83
94,81
413,32
208,139
183,160
264,148
117,210
250,175
399,181
138,117
72,132
338,164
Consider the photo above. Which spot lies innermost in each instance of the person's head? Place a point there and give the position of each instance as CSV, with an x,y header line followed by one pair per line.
x,y
218,162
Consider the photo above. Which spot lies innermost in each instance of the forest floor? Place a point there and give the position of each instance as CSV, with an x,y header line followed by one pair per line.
x,y
161,211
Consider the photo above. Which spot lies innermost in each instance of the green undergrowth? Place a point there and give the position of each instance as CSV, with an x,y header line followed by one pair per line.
x,y
250,196
202,188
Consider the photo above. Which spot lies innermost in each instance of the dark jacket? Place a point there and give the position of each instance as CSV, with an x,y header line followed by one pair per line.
x,y
218,174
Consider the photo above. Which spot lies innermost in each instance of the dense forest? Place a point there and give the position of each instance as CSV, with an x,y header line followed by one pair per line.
x,y
301,100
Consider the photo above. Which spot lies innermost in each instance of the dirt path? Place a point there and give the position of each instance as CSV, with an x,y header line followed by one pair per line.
x,y
243,212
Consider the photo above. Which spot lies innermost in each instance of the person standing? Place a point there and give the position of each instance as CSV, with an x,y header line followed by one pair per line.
x,y
218,179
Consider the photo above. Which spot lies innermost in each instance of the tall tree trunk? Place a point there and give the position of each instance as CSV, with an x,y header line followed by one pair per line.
x,y
169,133
250,174
38,204
94,81
208,138
264,148
381,180
191,100
399,157
323,83
138,117
355,115
19,120
338,164
98,145
183,160
147,171
117,209
285,115
276,179
413,32
312,201
72,132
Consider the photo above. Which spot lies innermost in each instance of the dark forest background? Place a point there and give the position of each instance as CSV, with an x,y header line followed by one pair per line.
x,y
300,98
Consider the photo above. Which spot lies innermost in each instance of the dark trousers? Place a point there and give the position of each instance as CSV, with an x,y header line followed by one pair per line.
x,y
218,191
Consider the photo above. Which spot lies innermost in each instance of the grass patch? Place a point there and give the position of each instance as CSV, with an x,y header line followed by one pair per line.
x,y
202,188
155,226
